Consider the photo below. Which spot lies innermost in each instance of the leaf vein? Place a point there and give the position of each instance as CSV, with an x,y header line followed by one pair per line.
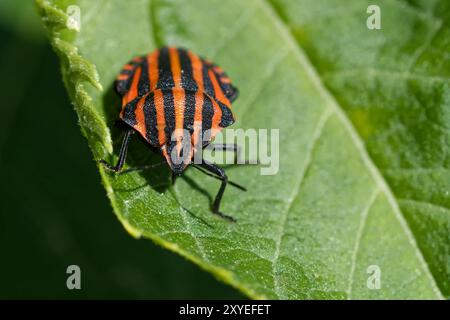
x,y
375,173
238,26
360,232
425,203
375,72
259,87
308,161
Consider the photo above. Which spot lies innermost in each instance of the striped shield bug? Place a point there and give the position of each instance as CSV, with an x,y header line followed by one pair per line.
x,y
177,101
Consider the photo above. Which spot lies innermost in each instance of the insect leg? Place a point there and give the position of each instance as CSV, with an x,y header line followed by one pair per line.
x,y
234,184
122,153
222,175
174,178
231,147
142,168
227,147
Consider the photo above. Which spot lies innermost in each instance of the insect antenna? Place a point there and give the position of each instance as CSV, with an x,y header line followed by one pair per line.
x,y
234,184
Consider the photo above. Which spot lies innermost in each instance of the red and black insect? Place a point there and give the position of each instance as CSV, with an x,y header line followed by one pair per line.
x,y
168,93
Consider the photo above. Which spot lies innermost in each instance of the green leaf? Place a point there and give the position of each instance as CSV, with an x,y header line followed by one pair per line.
x,y
364,137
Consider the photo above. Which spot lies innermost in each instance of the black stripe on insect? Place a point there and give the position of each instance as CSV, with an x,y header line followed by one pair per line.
x,y
166,85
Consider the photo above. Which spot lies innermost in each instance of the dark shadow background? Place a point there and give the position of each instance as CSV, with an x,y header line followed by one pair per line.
x,y
53,210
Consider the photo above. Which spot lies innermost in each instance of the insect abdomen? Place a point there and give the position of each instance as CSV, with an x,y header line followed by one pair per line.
x,y
159,113
171,89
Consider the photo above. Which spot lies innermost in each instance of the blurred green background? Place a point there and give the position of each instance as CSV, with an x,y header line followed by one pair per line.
x,y
53,210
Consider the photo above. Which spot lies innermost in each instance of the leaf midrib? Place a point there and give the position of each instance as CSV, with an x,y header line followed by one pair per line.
x,y
378,178
333,107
